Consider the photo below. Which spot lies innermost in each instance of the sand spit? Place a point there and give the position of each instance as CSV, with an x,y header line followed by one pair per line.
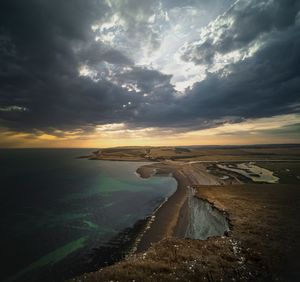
x,y
173,219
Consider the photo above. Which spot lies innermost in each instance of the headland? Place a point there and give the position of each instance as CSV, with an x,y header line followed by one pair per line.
x,y
232,218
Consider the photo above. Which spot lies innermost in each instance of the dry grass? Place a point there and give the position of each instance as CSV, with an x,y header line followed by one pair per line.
x,y
194,153
182,260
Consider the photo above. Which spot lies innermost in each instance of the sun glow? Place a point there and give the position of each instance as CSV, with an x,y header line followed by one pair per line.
x,y
119,134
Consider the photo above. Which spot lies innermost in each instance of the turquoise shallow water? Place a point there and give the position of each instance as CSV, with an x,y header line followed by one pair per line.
x,y
56,210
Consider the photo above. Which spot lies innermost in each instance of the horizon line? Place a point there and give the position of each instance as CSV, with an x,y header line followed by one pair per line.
x,y
156,146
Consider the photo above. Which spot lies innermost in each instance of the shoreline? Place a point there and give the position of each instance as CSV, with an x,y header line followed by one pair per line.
x,y
162,223
171,219
170,213
251,250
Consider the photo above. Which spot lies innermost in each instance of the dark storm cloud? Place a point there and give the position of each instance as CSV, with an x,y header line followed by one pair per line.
x,y
40,54
263,85
44,43
266,84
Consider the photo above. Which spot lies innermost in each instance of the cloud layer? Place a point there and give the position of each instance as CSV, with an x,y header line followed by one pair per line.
x,y
181,65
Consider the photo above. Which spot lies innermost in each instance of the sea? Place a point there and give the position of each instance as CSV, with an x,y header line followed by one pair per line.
x,y
62,216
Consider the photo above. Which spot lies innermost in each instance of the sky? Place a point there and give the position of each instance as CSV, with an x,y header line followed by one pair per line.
x,y
102,73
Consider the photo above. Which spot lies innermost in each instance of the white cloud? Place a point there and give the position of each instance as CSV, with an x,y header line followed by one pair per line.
x,y
13,108
154,38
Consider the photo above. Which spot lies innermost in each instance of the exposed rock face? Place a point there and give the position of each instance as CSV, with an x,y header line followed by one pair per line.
x,y
204,220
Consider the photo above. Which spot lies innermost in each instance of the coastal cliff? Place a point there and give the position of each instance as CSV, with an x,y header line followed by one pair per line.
x,y
204,220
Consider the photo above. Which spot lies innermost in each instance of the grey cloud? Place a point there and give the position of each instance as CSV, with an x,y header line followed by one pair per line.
x,y
42,44
38,69
149,81
266,84
289,129
132,30
134,11
212,5
263,85
241,25
94,53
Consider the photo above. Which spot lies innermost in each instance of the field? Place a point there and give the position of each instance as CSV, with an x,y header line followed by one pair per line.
x,y
194,153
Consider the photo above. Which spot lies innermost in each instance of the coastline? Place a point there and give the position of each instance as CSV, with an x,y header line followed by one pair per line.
x,y
252,249
170,213
171,219
162,223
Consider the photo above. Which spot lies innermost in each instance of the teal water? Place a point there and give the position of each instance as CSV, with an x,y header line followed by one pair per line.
x,y
56,210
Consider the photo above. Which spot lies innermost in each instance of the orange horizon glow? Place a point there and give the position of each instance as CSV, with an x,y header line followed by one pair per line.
x,y
250,132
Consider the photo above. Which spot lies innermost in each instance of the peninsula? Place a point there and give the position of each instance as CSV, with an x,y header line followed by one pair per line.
x,y
231,218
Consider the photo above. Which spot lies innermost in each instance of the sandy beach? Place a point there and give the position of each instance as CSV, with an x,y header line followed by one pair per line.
x,y
167,216
171,218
